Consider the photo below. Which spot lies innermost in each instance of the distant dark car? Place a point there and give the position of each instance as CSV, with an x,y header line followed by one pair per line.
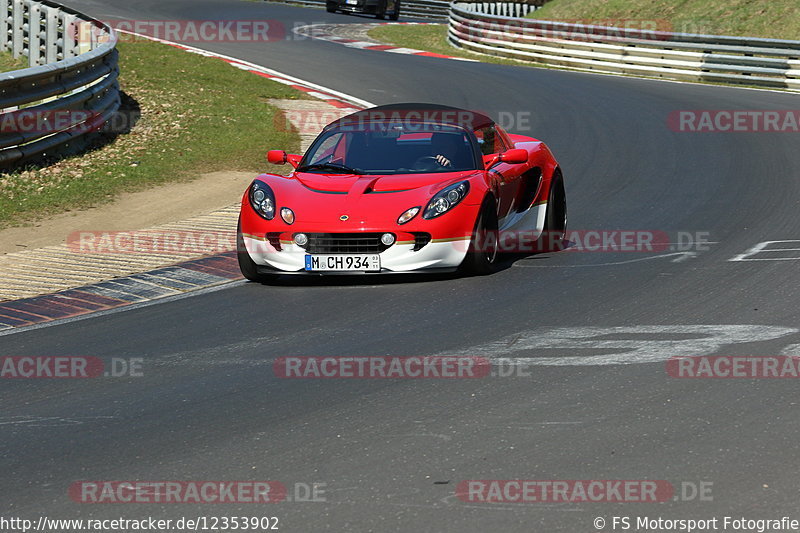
x,y
380,8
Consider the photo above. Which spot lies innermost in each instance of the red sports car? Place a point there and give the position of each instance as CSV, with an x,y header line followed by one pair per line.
x,y
396,189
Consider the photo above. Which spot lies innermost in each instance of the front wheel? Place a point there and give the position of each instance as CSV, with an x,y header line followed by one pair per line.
x,y
396,13
380,13
246,264
555,220
481,258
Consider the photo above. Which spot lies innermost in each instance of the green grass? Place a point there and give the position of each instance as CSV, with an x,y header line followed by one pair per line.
x,y
198,115
8,63
777,19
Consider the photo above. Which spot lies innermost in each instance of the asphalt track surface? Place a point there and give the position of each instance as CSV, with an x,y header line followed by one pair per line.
x,y
391,452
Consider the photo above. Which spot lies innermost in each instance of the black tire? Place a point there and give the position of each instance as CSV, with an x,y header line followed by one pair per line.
x,y
330,7
380,13
246,264
396,13
555,219
483,250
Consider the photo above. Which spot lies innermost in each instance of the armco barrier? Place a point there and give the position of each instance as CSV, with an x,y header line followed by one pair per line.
x,y
504,9
706,58
71,82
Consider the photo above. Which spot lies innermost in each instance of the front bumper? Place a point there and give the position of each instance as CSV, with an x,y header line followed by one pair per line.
x,y
363,6
437,256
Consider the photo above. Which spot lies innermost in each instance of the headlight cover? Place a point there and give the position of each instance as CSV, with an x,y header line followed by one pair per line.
x,y
408,215
287,215
262,199
446,199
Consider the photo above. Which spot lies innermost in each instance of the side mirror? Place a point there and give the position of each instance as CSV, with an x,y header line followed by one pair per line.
x,y
280,157
514,156
276,157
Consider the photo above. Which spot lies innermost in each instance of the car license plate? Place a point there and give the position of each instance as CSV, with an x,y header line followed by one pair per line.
x,y
352,2
344,263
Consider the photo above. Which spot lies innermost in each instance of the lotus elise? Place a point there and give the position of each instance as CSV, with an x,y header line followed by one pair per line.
x,y
397,189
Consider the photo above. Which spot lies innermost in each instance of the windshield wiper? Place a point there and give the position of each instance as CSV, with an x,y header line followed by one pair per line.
x,y
333,166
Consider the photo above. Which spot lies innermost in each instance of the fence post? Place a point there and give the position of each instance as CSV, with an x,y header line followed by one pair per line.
x,y
86,36
17,35
5,28
35,35
69,39
51,35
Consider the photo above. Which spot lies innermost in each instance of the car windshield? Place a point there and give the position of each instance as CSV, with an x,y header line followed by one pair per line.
x,y
386,148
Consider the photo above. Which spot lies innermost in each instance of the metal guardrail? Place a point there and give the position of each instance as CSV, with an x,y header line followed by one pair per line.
x,y
503,9
427,9
70,89
707,58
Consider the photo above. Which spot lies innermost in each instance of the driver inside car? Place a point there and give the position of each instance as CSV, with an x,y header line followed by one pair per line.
x,y
448,149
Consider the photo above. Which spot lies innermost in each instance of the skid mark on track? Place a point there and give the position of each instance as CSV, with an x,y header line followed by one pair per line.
x,y
619,345
49,421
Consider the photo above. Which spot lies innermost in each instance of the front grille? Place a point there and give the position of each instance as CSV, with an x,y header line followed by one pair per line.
x,y
345,243
420,240
274,239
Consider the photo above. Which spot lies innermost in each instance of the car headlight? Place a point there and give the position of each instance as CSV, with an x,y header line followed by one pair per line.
x,y
446,199
262,199
408,215
287,215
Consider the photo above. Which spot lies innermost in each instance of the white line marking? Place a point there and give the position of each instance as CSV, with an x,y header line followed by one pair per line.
x,y
793,350
762,247
360,44
683,256
409,51
321,96
771,259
